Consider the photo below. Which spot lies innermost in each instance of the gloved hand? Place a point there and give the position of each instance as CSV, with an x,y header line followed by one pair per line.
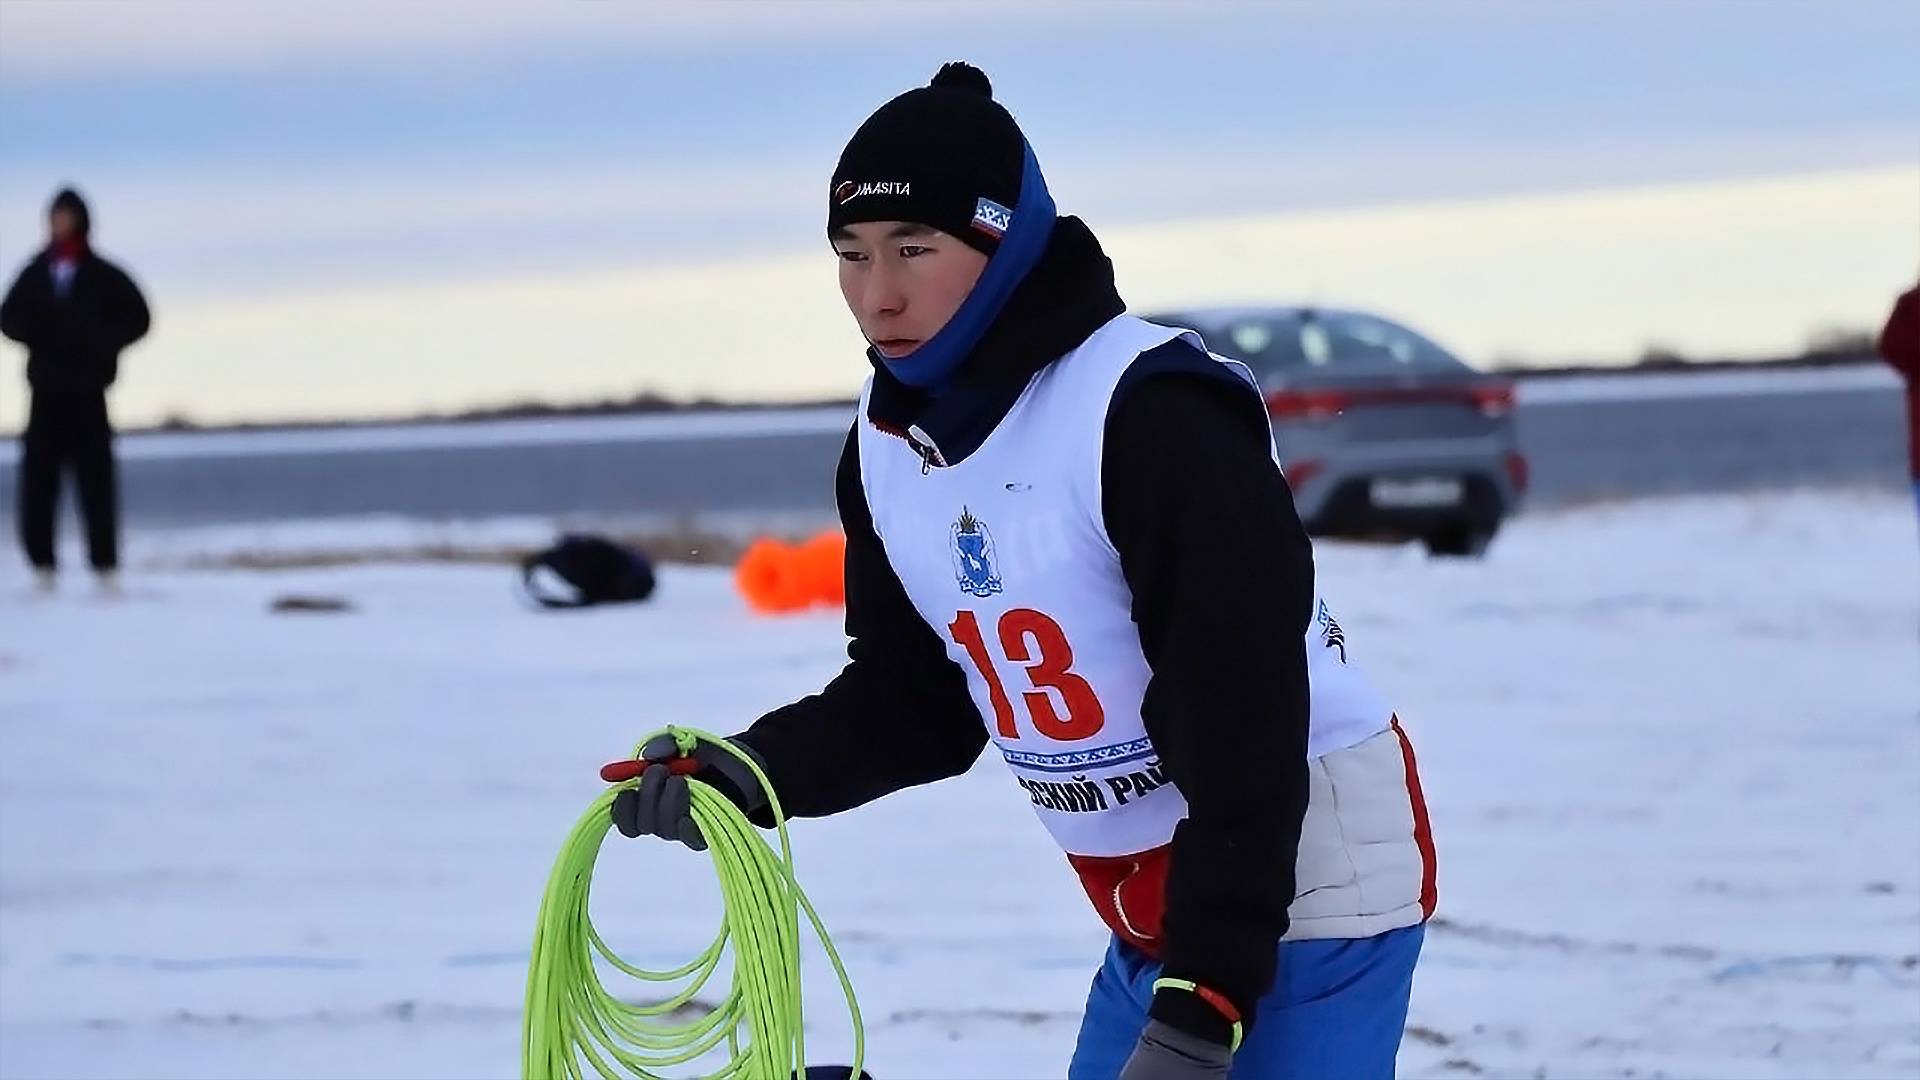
x,y
663,803
1167,1053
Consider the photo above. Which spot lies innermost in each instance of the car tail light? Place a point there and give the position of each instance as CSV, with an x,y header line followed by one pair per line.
x,y
1299,472
1492,399
1519,472
1306,404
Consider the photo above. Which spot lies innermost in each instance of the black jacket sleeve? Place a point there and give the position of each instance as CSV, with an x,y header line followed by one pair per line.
x,y
21,318
1221,573
125,317
897,715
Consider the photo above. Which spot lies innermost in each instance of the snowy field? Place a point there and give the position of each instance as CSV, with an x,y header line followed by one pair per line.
x,y
1672,750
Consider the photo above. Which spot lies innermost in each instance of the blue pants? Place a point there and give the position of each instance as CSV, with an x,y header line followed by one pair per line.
x,y
1336,1010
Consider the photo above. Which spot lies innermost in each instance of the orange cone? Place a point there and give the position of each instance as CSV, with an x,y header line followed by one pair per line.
x,y
823,562
770,577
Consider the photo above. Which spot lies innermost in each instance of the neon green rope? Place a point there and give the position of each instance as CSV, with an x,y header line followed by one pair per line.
x,y
570,1014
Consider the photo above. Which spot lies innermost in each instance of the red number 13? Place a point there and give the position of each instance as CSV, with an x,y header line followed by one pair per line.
x,y
1021,630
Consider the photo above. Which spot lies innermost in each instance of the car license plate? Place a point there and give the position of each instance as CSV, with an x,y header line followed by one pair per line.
x,y
1419,493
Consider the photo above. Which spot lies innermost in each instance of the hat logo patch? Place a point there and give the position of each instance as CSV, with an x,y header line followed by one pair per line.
x,y
992,218
847,190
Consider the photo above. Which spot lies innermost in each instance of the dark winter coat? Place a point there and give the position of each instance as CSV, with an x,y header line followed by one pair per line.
x,y
74,341
1900,345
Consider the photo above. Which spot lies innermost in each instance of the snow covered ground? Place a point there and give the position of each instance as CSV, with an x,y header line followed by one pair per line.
x,y
1672,750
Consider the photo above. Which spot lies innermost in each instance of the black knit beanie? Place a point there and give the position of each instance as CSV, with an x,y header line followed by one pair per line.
x,y
945,155
69,200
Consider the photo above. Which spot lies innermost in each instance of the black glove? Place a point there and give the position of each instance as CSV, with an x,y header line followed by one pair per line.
x,y
663,804
1167,1053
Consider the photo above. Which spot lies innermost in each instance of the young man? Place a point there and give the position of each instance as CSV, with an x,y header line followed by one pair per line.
x,y
1067,536
75,312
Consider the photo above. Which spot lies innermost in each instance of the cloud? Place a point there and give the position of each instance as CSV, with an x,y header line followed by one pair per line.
x,y
263,227
1743,267
59,41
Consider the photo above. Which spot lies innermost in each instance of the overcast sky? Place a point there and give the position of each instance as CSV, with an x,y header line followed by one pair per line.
x,y
242,153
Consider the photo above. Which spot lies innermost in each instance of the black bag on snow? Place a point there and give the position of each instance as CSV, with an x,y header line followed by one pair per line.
x,y
589,570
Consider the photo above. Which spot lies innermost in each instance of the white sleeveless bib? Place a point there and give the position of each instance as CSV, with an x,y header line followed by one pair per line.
x,y
1006,556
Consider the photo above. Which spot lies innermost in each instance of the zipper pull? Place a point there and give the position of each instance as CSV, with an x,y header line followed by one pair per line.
x,y
924,446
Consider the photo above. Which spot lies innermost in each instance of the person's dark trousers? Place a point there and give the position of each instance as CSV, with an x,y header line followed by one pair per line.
x,y
69,429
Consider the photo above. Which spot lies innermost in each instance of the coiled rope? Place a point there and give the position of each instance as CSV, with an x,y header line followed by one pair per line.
x,y
573,1022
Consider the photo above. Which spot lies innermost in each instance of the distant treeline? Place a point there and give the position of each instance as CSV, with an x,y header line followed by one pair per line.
x,y
644,403
1825,348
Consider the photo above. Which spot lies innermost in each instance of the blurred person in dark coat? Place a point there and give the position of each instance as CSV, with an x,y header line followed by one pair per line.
x,y
74,311
1900,346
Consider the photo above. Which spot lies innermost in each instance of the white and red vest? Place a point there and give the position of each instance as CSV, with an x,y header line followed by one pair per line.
x,y
1006,555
